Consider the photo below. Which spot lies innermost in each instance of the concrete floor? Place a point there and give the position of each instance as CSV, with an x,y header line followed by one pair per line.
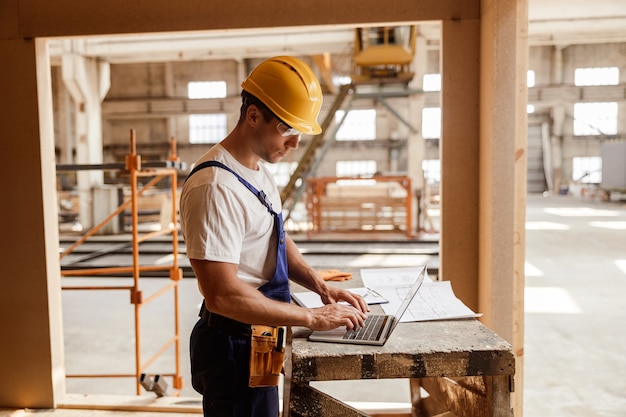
x,y
575,350
575,346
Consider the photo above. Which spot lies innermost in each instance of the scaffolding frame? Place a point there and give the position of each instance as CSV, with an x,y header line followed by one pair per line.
x,y
133,167
341,213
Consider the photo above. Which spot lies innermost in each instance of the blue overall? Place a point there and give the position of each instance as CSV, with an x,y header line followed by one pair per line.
x,y
220,359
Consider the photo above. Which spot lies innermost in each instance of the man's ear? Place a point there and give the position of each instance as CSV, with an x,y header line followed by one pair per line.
x,y
253,115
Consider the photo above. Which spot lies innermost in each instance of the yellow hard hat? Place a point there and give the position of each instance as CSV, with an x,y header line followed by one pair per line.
x,y
288,87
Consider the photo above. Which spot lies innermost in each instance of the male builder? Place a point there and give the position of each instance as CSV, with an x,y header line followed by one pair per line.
x,y
230,211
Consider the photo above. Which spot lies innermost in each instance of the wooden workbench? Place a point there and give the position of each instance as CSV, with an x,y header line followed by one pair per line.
x,y
466,369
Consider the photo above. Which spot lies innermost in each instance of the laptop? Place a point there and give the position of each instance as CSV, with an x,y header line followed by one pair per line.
x,y
377,327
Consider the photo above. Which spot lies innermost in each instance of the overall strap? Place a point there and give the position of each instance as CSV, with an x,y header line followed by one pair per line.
x,y
276,288
259,194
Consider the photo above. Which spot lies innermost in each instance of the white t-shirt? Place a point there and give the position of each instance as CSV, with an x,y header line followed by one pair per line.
x,y
222,220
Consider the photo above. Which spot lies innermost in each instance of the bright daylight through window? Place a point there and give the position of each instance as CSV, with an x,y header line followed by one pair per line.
x,y
595,118
207,128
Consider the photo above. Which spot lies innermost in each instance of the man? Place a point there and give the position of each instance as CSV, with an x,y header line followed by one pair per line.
x,y
232,225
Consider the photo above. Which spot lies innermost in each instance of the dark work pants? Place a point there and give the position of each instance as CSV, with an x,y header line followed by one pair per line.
x,y
220,370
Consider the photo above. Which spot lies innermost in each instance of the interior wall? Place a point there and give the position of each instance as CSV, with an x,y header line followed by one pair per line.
x,y
554,68
152,99
460,151
168,80
31,354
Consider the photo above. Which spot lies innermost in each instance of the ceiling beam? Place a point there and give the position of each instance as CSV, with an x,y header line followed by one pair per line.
x,y
44,18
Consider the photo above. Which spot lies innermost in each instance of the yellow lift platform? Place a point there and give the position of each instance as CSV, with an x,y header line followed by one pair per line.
x,y
384,53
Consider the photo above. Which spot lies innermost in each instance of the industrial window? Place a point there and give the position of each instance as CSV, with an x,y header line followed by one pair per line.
x,y
432,170
587,169
432,82
358,125
355,168
206,89
530,78
431,123
207,128
530,82
341,80
596,76
595,119
282,171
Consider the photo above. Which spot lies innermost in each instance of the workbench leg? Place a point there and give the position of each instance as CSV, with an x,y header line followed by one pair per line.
x,y
416,396
287,367
499,390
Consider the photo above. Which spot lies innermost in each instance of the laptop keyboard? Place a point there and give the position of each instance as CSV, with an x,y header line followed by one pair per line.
x,y
371,329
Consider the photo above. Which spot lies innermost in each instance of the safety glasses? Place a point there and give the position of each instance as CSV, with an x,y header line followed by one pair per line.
x,y
285,130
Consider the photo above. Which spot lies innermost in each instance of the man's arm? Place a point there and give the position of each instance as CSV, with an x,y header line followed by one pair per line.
x,y
302,273
224,293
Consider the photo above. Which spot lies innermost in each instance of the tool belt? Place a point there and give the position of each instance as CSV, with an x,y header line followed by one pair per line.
x,y
267,353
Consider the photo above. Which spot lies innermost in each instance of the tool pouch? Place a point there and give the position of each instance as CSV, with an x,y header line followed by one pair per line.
x,y
266,356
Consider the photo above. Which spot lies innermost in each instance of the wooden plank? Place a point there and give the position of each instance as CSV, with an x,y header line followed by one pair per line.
x,y
476,385
415,350
428,407
166,404
76,18
150,207
470,397
453,397
307,401
390,414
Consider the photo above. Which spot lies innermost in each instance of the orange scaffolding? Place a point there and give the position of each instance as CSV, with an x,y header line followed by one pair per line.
x,y
133,168
376,204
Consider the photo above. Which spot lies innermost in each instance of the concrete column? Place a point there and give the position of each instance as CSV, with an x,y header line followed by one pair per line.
x,y
87,81
32,373
168,81
558,122
556,143
416,140
64,126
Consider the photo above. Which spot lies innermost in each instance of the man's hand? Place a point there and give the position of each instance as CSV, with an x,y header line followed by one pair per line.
x,y
335,295
335,315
